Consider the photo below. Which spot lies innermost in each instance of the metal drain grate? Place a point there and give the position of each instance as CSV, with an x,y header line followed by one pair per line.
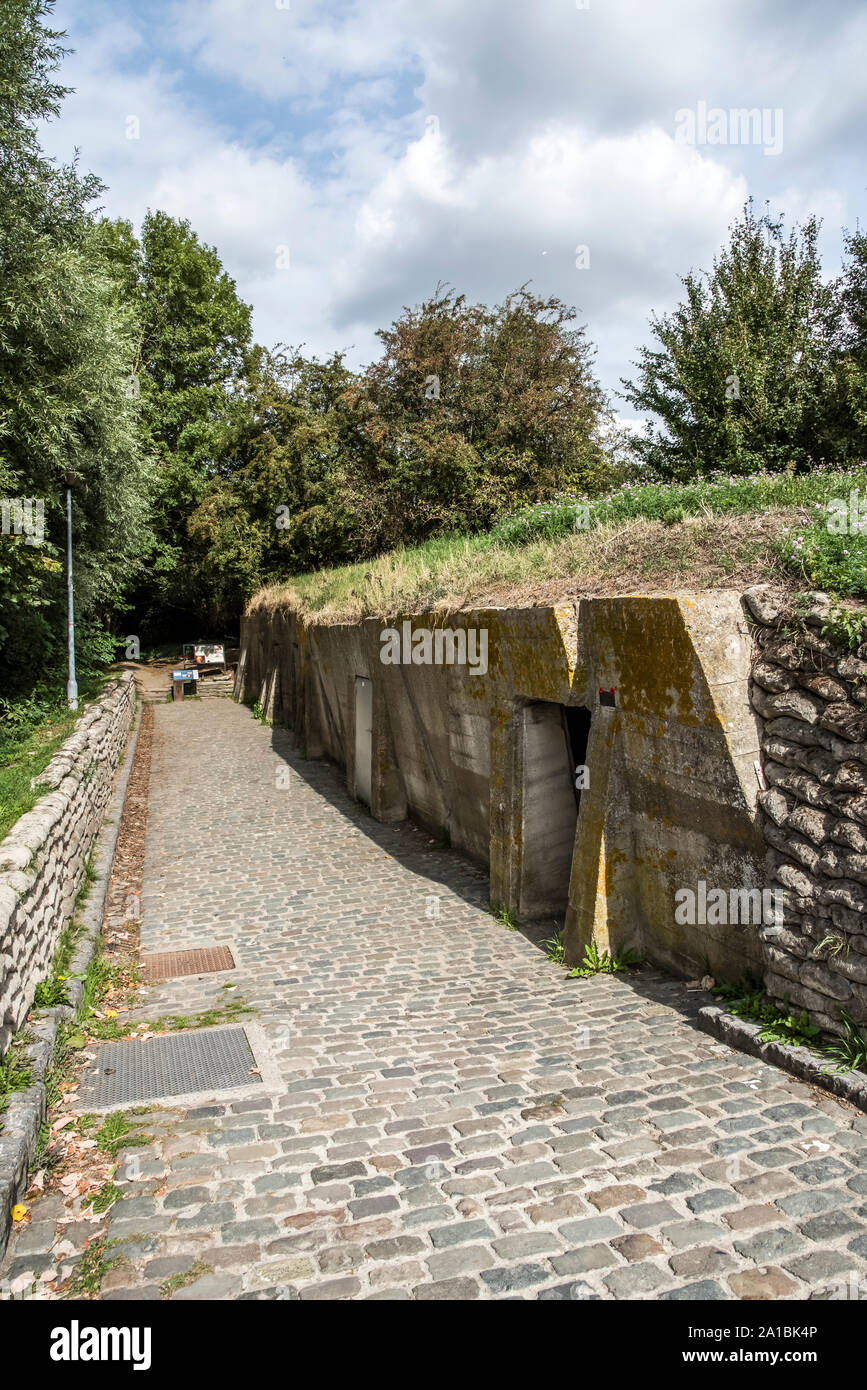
x,y
165,965
176,1064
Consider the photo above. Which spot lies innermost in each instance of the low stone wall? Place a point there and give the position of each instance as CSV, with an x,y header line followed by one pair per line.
x,y
811,697
42,859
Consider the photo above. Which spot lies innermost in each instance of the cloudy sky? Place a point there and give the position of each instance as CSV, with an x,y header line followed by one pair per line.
x,y
346,155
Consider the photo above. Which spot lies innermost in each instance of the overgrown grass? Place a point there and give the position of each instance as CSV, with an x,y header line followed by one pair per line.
x,y
23,758
52,991
15,1073
32,728
697,533
90,1270
746,999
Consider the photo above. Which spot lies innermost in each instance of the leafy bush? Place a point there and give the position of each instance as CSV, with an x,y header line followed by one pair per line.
x,y
836,564
746,370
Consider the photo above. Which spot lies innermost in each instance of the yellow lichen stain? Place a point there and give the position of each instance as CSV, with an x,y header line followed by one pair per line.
x,y
534,651
646,642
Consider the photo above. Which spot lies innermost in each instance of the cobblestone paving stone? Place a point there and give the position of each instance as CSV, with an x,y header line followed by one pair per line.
x,y
456,1119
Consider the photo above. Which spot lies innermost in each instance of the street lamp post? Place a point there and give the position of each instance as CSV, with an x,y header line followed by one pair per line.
x,y
71,684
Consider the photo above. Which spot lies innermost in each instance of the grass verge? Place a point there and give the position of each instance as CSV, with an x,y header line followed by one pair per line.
x,y
714,532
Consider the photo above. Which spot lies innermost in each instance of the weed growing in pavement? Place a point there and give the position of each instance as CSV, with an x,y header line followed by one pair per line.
x,y
554,948
849,1052
746,999
90,1271
117,1133
106,1197
174,1282
596,962
504,915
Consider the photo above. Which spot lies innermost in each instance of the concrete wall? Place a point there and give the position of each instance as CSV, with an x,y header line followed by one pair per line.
x,y
673,788
672,785
42,859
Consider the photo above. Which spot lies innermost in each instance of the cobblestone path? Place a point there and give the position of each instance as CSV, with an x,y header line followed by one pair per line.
x,y
455,1119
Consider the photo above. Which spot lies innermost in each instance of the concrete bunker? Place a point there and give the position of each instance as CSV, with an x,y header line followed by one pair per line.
x,y
668,798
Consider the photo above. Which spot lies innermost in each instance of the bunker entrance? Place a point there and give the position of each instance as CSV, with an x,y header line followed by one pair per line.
x,y
554,772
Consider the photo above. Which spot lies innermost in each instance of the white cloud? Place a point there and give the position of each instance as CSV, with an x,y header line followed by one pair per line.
x,y
307,127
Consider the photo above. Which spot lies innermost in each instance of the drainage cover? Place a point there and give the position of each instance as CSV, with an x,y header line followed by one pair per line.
x,y
175,1064
165,965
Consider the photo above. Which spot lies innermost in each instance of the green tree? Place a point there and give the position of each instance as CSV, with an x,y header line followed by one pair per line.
x,y
853,349
471,411
67,348
194,339
281,503
743,377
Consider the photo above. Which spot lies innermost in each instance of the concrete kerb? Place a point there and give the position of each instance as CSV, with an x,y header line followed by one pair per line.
x,y
23,1119
802,1062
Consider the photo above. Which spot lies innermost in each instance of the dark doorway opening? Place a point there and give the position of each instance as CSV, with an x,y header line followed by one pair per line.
x,y
554,753
577,732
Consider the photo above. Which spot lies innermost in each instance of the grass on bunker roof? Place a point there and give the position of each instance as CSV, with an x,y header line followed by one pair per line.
x,y
712,533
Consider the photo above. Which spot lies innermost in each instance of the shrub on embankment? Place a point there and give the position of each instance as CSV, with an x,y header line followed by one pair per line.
x,y
717,531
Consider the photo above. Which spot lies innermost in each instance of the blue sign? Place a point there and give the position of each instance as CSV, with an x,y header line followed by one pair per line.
x,y
185,675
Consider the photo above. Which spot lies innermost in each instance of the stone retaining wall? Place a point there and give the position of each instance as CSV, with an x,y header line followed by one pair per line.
x,y
43,858
811,696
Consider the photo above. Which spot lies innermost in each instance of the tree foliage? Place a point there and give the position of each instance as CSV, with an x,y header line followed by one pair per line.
x,y
471,411
194,339
67,346
468,412
852,395
745,374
